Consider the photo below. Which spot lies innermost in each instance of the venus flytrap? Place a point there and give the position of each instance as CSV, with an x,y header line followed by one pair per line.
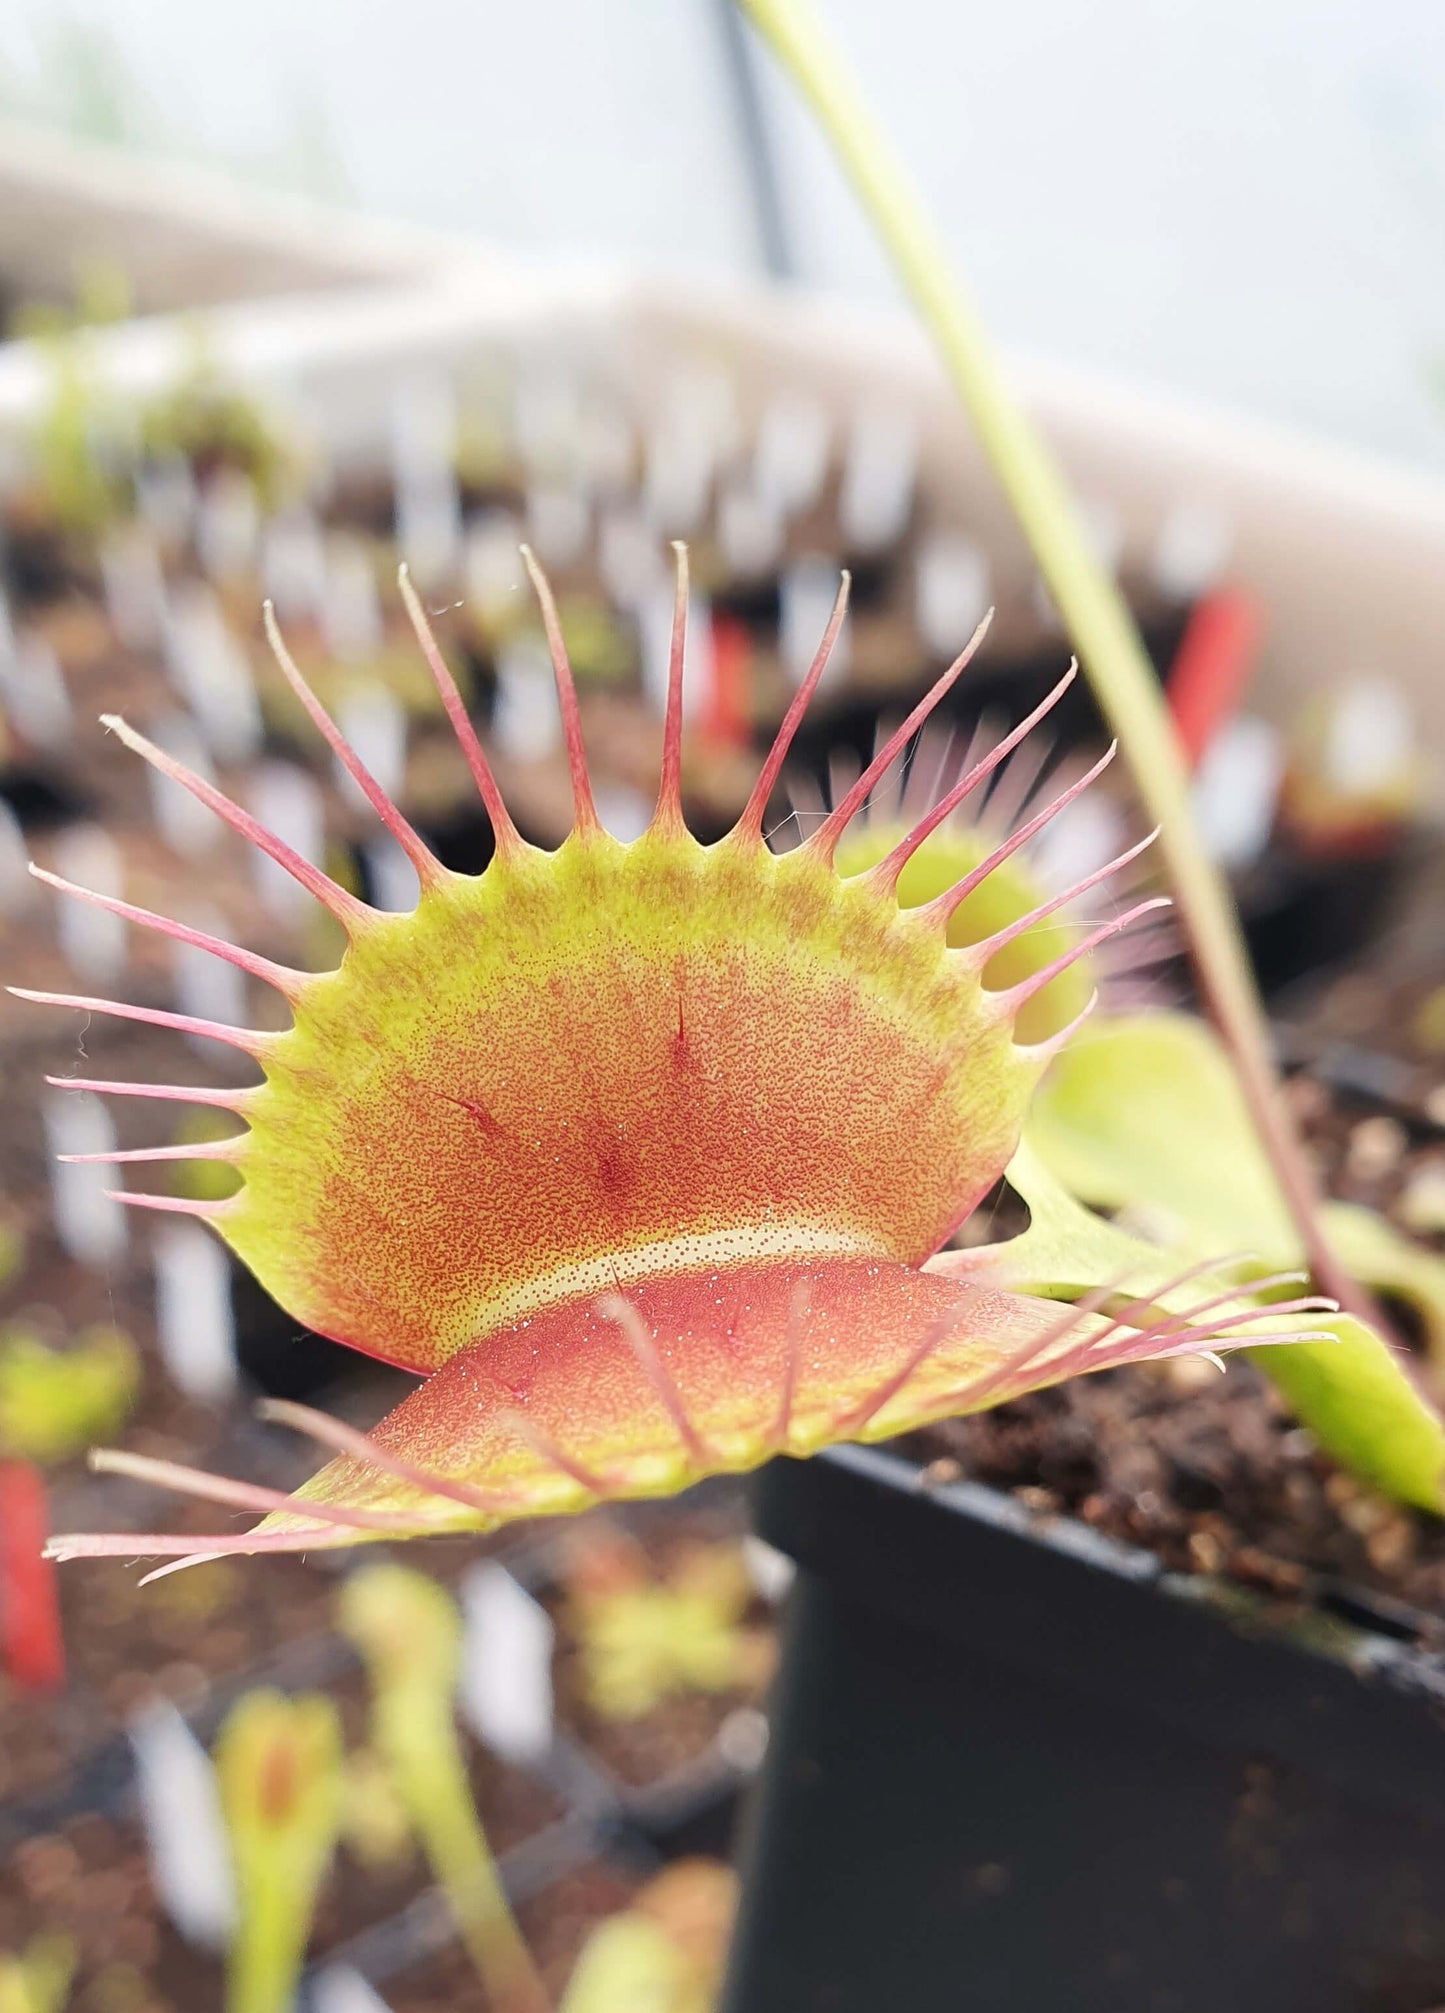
x,y
410,1635
636,1153
278,1767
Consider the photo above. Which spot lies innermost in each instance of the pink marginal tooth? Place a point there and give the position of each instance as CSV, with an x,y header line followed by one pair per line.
x,y
781,1430
1015,998
186,1481
352,914
344,1439
826,838
428,867
750,825
177,1566
853,1422
887,871
290,984
668,815
1088,1303
505,835
203,1149
249,1040
614,1307
168,1205
192,1546
988,947
946,903
174,1093
541,1443
584,811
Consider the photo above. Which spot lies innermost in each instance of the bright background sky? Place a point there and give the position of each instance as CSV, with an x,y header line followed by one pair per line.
x,y
1239,199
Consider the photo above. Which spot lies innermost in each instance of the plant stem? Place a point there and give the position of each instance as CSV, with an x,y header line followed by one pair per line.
x,y
417,1735
1087,598
264,1966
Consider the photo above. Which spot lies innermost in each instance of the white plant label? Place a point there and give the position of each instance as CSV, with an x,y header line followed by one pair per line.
x,y
185,1832
951,589
89,1223
809,589
790,459
506,1687
875,498
288,802
93,941
195,1325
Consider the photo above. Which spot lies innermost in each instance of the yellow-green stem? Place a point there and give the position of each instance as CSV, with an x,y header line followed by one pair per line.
x,y
415,1731
263,1966
1093,609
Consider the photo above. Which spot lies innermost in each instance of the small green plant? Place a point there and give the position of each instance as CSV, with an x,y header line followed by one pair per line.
x,y
278,1767
409,1633
646,1636
205,420
78,487
56,1402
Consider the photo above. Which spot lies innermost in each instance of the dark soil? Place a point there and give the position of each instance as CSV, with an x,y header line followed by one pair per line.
x,y
1211,1472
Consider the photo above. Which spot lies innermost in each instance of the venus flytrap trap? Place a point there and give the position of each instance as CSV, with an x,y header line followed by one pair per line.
x,y
410,1635
278,1768
636,1153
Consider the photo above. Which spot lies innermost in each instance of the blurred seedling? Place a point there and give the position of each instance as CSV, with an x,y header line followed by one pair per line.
x,y
56,1401
409,1634
209,423
647,1634
665,1953
38,1980
376,1828
278,1766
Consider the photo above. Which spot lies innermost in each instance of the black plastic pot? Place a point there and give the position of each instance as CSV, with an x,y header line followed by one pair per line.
x,y
1016,1767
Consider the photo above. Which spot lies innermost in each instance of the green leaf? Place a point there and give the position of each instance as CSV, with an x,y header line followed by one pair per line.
x,y
1363,1409
1067,1250
1142,1113
1385,1259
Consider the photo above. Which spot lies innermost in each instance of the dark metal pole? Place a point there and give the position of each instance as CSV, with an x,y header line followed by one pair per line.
x,y
760,159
